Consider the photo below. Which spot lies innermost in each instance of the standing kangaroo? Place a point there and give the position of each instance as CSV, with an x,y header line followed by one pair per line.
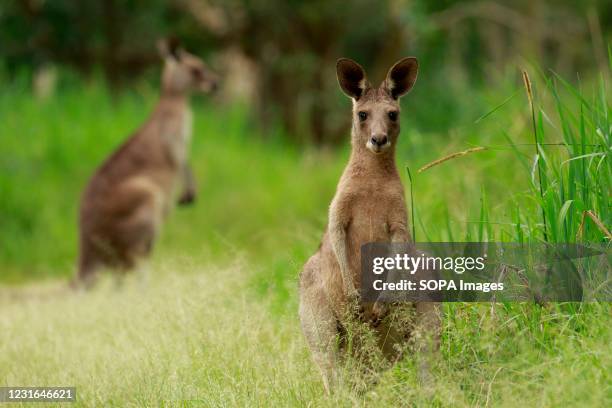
x,y
128,196
368,207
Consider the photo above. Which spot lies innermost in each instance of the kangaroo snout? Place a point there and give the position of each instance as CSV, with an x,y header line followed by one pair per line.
x,y
379,140
209,86
211,83
378,143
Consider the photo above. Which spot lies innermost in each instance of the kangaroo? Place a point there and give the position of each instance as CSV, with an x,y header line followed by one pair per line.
x,y
368,206
129,195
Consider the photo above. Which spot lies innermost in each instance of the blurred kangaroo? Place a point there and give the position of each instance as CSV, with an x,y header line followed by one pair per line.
x,y
368,207
129,195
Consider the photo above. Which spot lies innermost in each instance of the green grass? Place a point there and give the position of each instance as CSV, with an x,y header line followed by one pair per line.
x,y
218,322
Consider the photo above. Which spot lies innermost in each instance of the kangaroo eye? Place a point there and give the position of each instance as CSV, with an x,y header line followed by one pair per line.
x,y
363,116
393,115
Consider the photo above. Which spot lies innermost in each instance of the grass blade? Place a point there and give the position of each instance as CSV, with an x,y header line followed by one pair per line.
x,y
412,221
450,157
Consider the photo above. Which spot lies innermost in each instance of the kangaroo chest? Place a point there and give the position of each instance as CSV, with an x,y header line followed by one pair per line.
x,y
370,213
369,220
177,137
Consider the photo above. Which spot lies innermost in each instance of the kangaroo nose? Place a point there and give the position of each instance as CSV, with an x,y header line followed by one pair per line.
x,y
379,140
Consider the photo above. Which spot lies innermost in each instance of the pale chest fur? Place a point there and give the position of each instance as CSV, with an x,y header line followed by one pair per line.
x,y
177,136
370,207
187,126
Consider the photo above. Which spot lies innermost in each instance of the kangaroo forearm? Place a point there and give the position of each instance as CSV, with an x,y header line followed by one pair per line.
x,y
188,192
399,232
188,178
338,240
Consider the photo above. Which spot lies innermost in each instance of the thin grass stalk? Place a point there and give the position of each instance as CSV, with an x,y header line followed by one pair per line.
x,y
597,222
450,157
528,88
412,220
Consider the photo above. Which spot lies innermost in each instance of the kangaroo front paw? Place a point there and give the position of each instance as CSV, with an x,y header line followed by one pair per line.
x,y
188,197
379,309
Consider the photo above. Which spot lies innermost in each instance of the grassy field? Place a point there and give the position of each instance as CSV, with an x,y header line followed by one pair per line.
x,y
217,324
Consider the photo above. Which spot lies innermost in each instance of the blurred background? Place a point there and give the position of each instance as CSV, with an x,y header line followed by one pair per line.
x,y
278,56
76,78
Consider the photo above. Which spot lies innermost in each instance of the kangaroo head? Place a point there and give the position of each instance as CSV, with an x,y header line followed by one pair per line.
x,y
184,72
376,110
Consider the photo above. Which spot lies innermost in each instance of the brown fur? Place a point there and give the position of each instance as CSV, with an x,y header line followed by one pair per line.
x,y
127,198
368,206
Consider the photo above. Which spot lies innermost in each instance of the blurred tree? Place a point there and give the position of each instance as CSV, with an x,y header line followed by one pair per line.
x,y
287,48
295,44
117,35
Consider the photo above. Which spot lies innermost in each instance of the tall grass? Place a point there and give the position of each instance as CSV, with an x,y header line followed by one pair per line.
x,y
569,177
577,181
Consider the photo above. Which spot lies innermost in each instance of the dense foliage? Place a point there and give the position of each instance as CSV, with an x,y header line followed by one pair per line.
x,y
283,52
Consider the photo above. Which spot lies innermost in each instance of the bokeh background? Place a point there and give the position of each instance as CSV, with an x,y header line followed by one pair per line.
x,y
76,78
278,56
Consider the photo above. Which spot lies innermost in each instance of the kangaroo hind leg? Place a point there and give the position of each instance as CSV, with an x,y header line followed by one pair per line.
x,y
319,323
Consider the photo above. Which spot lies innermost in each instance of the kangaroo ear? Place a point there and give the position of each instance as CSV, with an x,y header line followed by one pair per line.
x,y
169,48
351,77
401,77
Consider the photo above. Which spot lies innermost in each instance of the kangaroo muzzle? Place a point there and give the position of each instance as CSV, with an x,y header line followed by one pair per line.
x,y
378,143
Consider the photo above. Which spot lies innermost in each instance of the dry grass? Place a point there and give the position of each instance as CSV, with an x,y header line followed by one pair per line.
x,y
203,337
450,157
